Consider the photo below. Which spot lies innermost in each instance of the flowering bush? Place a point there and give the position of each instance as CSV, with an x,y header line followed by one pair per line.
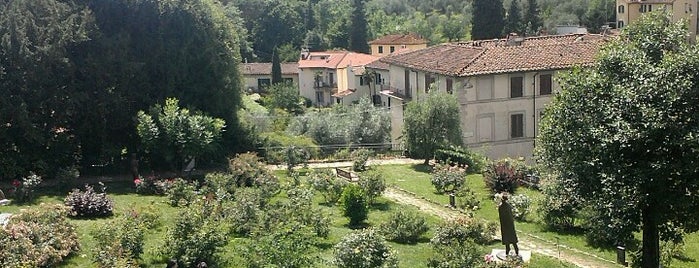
x,y
404,227
125,244
89,203
364,249
464,229
359,159
520,205
446,178
373,185
37,237
467,199
354,204
24,189
327,184
455,255
181,192
152,185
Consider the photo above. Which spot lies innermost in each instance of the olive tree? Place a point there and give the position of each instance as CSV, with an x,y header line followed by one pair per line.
x,y
431,124
624,133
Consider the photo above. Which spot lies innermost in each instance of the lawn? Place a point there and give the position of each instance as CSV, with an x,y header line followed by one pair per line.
x,y
126,199
416,179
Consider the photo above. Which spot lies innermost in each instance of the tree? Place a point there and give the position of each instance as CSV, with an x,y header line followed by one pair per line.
x,y
623,133
487,20
432,123
532,21
276,68
358,31
177,135
284,96
598,14
513,22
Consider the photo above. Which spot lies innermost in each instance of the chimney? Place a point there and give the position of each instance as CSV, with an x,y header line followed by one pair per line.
x,y
513,39
304,53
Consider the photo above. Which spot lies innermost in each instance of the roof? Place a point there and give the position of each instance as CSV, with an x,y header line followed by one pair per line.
x,y
265,68
344,93
496,56
399,39
335,59
378,64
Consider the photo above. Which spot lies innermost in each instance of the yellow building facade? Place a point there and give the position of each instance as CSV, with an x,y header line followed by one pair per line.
x,y
628,11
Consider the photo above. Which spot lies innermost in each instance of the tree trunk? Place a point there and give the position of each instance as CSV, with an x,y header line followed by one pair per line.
x,y
651,238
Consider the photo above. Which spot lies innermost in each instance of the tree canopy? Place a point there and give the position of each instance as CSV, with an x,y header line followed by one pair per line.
x,y
488,19
431,124
623,133
513,21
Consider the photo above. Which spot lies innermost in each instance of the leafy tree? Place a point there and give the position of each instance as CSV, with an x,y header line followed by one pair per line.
x,y
598,13
177,135
358,31
513,22
488,21
624,131
276,68
284,96
532,21
432,124
354,204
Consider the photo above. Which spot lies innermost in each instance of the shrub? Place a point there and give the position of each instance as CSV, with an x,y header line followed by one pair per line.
x,y
467,199
509,262
288,245
244,213
404,227
608,227
520,205
181,192
247,171
88,203
359,159
462,230
197,235
363,249
462,157
148,216
152,185
448,179
373,185
504,175
24,189
66,177
294,156
559,206
38,237
324,181
455,255
125,243
354,204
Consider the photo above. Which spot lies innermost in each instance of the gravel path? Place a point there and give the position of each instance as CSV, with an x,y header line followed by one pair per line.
x,y
371,162
526,241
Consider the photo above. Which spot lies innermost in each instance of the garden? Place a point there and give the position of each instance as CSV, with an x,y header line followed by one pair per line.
x,y
244,216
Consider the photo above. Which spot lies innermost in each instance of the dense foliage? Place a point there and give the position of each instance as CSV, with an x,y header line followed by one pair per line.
x,y
373,184
447,179
488,19
463,157
354,203
124,245
38,237
623,132
504,175
328,184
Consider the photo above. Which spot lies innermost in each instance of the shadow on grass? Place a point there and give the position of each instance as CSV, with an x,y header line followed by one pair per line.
x,y
684,258
421,168
384,206
359,226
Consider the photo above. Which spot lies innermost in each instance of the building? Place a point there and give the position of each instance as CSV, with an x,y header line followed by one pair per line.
x,y
330,77
628,11
257,76
391,43
502,85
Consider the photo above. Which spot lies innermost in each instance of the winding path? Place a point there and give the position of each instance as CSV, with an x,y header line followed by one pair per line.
x,y
526,241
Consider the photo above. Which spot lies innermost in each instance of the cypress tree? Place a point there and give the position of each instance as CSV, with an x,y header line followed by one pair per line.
x,y
276,68
358,31
513,23
532,21
488,19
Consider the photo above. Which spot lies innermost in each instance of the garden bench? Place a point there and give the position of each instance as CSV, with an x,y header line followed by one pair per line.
x,y
346,174
531,181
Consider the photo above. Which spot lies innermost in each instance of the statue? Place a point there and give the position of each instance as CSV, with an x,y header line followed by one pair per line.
x,y
507,226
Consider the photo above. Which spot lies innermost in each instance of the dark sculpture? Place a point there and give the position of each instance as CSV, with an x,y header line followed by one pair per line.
x,y
507,226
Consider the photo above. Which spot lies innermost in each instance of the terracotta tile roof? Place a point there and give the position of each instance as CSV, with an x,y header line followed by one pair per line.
x,y
343,93
289,68
378,64
399,39
495,56
335,59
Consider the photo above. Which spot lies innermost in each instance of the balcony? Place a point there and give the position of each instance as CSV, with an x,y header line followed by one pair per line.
x,y
395,92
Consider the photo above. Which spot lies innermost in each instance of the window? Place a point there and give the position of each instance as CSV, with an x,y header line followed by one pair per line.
x,y
485,88
516,86
645,8
320,98
380,49
620,24
516,126
621,9
485,128
389,102
450,86
407,82
429,80
545,84
392,49
331,78
263,83
361,80
377,79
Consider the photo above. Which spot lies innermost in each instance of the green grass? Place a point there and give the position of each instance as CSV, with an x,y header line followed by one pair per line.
x,y
416,179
